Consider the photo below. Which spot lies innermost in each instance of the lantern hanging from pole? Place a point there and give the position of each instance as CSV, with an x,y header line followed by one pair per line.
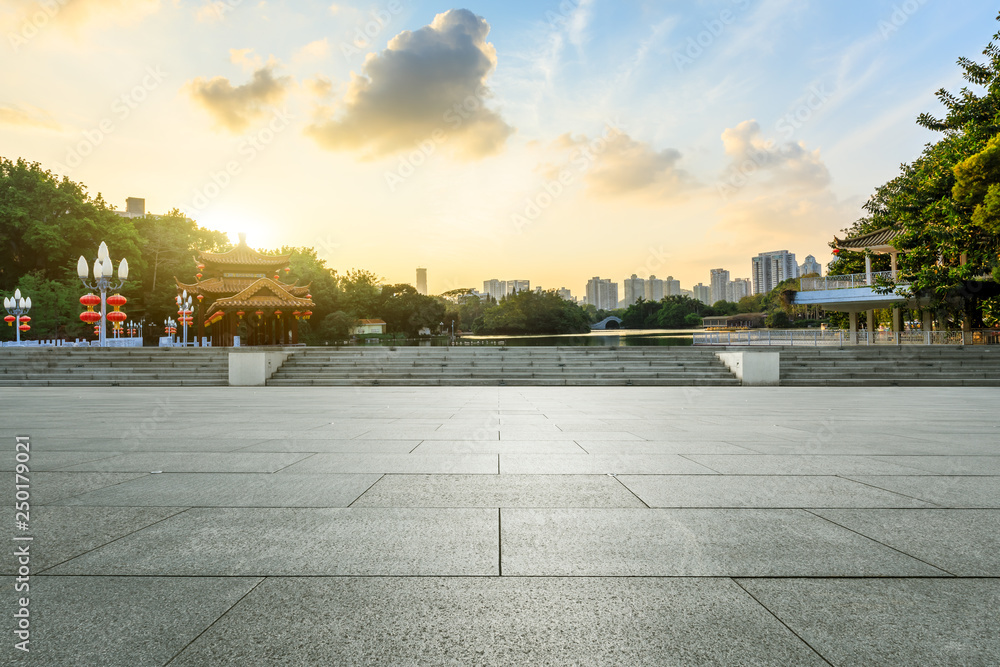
x,y
200,297
296,314
24,327
240,314
25,319
277,314
259,314
307,314
9,320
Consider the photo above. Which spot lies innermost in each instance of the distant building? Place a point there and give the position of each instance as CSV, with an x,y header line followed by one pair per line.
x,y
635,289
671,287
422,281
720,280
703,293
770,268
496,289
810,266
565,294
737,289
654,289
499,289
602,293
134,208
368,327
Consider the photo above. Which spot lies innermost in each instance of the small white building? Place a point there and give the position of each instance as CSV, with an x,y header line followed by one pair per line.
x,y
368,327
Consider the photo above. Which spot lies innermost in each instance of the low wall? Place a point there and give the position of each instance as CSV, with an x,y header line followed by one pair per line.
x,y
254,369
753,369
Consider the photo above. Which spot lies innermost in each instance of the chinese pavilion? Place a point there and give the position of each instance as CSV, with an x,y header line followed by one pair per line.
x,y
240,293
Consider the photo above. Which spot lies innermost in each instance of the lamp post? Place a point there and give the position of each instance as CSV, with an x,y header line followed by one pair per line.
x,y
103,282
170,328
17,309
184,310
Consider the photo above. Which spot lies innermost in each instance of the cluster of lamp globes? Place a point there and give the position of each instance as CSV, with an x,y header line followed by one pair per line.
x,y
103,277
17,307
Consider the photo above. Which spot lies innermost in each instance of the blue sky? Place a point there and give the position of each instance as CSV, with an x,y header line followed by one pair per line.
x,y
602,138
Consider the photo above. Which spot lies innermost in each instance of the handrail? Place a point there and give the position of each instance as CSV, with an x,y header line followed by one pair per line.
x,y
847,281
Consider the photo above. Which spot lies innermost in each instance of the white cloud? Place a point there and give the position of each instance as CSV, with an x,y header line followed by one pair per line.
x,y
430,82
234,107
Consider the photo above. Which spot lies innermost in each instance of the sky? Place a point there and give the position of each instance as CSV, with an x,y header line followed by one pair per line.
x,y
545,141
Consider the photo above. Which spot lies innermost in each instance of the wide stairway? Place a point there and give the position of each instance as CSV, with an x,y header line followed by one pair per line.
x,y
522,366
113,367
889,365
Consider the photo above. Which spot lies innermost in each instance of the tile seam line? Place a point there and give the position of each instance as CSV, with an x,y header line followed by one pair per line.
x,y
887,546
898,493
778,619
220,617
180,511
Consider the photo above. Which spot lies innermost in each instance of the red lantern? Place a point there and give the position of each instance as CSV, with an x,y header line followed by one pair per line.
x,y
200,266
287,270
836,251
116,316
200,297
307,314
90,317
117,300
9,320
297,314
276,276
240,314
24,327
309,296
277,314
90,300
259,313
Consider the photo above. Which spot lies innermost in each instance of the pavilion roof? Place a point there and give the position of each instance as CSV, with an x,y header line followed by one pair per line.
x,y
263,293
878,241
243,255
233,286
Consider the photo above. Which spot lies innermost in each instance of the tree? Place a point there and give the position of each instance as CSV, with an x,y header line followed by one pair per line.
x,y
531,313
942,203
335,326
362,293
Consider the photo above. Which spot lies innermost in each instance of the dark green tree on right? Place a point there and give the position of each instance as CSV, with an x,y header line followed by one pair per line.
x,y
946,203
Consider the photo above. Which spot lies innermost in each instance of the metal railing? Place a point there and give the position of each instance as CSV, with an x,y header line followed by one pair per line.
x,y
848,281
839,337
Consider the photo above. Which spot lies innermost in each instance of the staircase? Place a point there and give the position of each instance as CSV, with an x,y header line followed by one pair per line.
x,y
113,367
521,366
889,365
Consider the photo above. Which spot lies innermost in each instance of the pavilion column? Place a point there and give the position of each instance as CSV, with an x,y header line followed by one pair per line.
x,y
897,320
295,331
200,314
870,315
928,326
854,327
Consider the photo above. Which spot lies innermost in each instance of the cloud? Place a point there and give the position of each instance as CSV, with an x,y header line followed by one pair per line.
x,y
615,165
756,159
246,59
427,83
73,14
314,50
215,10
320,88
234,107
28,118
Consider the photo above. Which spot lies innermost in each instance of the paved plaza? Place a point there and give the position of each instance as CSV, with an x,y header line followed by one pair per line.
x,y
505,526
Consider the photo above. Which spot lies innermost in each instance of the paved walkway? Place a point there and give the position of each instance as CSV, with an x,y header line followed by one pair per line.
x,y
503,526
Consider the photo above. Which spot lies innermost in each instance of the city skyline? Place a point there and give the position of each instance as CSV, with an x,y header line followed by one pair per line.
x,y
625,138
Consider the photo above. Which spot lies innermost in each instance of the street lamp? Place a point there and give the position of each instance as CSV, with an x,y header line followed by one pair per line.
x,y
103,282
170,328
18,308
184,311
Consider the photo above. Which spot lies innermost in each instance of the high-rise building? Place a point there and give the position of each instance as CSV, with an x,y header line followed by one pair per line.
x,y
703,293
422,281
635,288
602,293
720,280
737,289
494,288
672,287
514,286
654,289
810,266
770,268
565,294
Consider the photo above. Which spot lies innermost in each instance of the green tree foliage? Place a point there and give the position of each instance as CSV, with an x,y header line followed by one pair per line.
x,y
944,203
406,311
362,293
334,327
47,223
670,313
531,313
